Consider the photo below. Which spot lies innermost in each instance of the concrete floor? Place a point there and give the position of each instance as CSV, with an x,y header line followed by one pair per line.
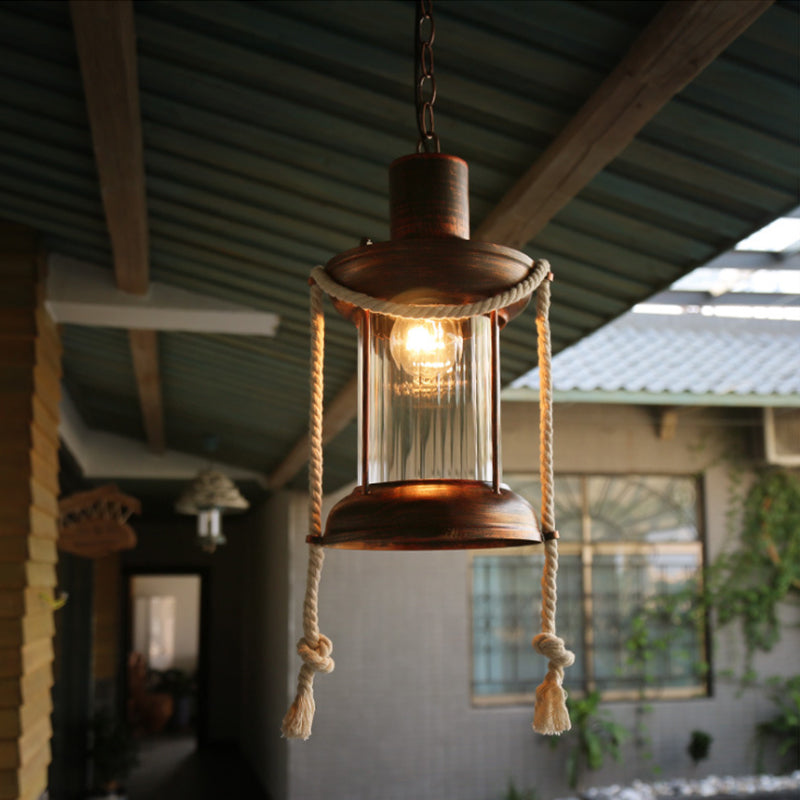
x,y
172,768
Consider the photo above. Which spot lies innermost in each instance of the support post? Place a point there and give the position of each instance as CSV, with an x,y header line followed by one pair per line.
x,y
30,372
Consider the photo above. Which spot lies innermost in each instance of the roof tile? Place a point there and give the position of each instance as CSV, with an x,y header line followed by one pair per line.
x,y
681,354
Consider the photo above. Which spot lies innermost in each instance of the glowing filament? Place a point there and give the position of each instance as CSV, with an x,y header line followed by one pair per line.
x,y
425,348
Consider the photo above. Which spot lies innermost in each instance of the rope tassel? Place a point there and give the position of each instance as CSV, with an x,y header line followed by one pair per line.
x,y
550,714
314,648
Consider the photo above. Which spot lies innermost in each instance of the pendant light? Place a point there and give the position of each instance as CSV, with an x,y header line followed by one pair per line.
x,y
210,495
428,305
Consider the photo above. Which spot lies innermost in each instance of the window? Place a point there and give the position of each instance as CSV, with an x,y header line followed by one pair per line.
x,y
623,539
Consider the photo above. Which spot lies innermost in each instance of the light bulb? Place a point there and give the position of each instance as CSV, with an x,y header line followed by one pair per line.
x,y
209,529
426,348
209,523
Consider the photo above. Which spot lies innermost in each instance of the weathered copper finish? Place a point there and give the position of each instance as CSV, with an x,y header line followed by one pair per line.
x,y
430,251
429,197
458,270
430,515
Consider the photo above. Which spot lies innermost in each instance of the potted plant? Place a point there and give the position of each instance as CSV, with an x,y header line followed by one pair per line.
x,y
699,746
782,731
114,754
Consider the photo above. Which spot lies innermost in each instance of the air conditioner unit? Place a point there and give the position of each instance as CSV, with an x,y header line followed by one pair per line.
x,y
782,436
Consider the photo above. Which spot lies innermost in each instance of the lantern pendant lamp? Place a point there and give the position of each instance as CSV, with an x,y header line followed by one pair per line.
x,y
210,495
429,305
429,388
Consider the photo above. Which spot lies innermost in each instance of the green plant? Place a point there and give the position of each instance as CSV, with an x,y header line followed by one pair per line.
x,y
512,793
748,583
745,584
699,746
114,750
594,735
654,630
784,728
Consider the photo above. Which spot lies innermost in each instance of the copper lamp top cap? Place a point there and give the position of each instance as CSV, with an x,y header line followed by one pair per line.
x,y
430,246
429,197
420,157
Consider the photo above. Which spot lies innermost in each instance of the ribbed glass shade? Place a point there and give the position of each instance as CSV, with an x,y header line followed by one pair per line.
x,y
429,399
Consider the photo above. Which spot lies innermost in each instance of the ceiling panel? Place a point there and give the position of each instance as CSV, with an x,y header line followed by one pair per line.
x,y
268,128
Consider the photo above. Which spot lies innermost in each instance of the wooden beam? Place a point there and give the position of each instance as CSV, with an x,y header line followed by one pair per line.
x,y
106,43
144,352
338,415
680,42
683,38
101,454
83,294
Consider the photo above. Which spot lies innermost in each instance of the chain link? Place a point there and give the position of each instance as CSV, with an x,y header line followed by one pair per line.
x,y
424,80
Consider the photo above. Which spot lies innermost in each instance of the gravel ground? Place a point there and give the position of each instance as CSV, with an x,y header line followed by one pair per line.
x,y
753,787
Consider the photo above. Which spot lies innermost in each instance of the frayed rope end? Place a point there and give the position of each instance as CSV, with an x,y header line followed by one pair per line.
x,y
551,717
298,719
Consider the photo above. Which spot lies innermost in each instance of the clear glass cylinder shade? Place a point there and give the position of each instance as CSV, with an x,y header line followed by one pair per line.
x,y
428,400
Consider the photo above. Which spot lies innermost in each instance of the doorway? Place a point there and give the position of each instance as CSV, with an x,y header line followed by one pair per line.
x,y
165,650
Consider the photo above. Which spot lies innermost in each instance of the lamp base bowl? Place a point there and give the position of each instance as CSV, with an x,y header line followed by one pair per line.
x,y
430,515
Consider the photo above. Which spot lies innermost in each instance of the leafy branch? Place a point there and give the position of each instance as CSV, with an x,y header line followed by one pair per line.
x,y
594,736
745,584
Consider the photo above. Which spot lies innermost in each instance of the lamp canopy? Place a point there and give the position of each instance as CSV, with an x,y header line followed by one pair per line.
x,y
211,489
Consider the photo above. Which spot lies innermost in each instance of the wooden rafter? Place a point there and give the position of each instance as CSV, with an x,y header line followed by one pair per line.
x,y
680,42
338,415
144,351
106,43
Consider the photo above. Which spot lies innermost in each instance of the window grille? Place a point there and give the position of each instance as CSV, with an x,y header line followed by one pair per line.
x,y
624,539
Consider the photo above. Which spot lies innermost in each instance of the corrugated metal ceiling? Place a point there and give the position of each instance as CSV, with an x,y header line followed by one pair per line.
x,y
268,128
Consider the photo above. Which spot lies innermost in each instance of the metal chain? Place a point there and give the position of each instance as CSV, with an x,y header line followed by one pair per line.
x,y
424,80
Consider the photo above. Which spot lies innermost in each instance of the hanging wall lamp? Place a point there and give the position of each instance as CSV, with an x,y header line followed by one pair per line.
x,y
210,495
429,305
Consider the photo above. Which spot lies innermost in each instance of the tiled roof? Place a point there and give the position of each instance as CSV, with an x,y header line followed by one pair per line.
x,y
688,354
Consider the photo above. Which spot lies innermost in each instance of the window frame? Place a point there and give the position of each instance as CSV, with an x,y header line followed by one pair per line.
x,y
586,550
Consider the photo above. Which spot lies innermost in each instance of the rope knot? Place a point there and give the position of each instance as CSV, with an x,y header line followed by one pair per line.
x,y
551,716
318,657
552,647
